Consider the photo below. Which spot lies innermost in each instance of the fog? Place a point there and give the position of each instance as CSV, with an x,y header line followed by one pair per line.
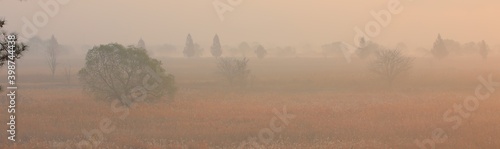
x,y
219,74
273,23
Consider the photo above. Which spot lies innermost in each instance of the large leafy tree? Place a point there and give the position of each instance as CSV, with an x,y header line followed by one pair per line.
x,y
216,49
113,71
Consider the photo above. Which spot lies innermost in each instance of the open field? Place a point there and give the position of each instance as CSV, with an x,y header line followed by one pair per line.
x,y
333,105
249,74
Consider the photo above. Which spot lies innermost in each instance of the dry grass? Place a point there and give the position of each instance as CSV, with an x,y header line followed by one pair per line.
x,y
333,108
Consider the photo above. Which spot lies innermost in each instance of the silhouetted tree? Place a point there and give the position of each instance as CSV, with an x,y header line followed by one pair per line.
x,y
10,48
52,54
389,64
189,49
10,51
216,48
439,50
141,44
484,49
234,70
366,48
261,52
113,71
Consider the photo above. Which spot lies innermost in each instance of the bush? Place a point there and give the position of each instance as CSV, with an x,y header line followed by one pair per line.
x,y
389,64
234,70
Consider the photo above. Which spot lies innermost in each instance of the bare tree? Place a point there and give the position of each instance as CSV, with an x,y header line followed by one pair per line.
x,y
52,53
389,64
234,70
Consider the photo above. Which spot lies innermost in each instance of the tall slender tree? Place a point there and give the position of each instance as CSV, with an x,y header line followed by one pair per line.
x,y
189,49
439,50
52,54
216,49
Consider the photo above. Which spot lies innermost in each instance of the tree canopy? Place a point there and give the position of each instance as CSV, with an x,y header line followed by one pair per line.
x,y
114,71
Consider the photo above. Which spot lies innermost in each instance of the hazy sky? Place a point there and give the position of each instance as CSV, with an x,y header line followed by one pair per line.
x,y
276,22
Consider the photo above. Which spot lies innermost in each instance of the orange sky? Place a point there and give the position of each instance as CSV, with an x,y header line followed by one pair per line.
x,y
277,22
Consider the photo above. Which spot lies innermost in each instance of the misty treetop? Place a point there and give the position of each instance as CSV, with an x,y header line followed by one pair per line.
x,y
261,52
192,49
367,48
141,44
216,48
439,50
5,41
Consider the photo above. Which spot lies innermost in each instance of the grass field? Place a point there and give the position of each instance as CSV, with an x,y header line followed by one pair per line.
x,y
330,104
